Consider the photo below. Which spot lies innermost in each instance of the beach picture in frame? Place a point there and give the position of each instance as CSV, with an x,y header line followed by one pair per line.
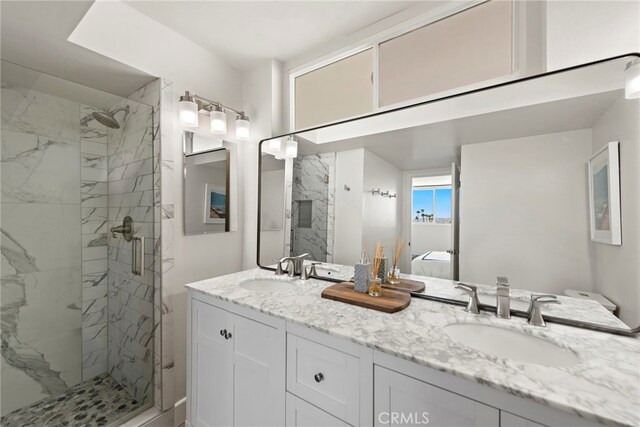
x,y
604,195
215,204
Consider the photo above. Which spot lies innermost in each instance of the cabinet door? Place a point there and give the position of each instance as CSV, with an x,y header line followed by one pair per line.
x,y
402,400
211,367
259,373
510,420
303,414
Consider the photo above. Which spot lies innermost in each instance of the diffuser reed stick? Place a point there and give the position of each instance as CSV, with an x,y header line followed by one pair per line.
x,y
398,253
377,260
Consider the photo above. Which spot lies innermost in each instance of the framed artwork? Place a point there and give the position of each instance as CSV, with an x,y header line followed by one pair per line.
x,y
215,204
604,195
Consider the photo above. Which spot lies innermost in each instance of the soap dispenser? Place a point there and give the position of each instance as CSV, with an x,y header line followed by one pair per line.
x,y
362,274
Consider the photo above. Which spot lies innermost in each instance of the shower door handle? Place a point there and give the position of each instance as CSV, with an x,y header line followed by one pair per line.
x,y
137,256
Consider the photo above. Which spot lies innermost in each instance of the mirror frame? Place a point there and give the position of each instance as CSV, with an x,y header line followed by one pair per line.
x,y
629,332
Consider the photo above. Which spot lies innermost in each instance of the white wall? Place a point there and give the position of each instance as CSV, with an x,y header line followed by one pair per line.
x,y
164,53
430,237
616,268
262,103
524,214
381,216
585,31
348,208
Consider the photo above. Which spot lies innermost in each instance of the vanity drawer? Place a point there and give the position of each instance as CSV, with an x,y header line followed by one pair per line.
x,y
324,376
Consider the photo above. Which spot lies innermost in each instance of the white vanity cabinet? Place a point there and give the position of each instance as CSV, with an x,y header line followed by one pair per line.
x,y
403,400
236,369
331,374
304,414
510,420
247,368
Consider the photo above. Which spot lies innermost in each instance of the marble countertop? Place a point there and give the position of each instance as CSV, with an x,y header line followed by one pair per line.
x,y
604,387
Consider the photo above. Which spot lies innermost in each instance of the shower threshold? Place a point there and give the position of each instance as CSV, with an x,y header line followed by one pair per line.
x,y
100,401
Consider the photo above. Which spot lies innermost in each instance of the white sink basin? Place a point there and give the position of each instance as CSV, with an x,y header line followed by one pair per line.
x,y
267,285
506,343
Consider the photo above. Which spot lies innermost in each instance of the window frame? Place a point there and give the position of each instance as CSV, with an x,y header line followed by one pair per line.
x,y
373,42
433,188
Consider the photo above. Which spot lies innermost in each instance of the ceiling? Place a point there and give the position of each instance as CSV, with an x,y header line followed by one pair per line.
x,y
34,34
243,33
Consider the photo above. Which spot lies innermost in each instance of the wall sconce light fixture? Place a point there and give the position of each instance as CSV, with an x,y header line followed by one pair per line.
x,y
291,149
275,145
190,105
188,109
632,80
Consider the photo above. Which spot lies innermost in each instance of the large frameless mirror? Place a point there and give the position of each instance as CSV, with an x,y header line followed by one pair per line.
x,y
537,180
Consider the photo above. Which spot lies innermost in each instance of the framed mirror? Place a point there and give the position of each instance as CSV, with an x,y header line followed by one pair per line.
x,y
206,189
492,182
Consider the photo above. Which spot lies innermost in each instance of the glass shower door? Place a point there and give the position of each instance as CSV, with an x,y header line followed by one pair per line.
x,y
75,320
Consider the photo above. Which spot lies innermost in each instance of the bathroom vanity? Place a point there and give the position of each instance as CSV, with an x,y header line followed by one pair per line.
x,y
265,350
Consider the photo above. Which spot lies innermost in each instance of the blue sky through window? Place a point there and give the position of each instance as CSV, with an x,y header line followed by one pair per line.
x,y
423,199
443,203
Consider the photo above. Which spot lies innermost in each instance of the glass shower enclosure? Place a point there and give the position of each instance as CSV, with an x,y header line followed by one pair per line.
x,y
78,329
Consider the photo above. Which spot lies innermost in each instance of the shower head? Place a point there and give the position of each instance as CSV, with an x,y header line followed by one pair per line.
x,y
108,118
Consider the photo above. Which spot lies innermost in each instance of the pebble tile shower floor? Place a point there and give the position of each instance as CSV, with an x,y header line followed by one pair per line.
x,y
97,402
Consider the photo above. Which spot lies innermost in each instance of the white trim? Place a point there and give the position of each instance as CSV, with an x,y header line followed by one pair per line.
x,y
315,65
407,207
375,77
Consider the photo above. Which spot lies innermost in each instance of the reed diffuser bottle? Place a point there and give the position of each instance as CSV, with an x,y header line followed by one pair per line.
x,y
394,273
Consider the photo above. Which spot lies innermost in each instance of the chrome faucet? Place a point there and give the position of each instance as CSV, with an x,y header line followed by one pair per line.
x,y
535,308
294,265
472,291
503,304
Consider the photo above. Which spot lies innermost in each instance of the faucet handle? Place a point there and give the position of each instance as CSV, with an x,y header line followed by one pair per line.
x,y
472,291
279,270
502,281
538,299
535,311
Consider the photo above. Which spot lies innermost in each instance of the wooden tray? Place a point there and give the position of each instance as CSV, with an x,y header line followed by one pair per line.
x,y
406,285
390,301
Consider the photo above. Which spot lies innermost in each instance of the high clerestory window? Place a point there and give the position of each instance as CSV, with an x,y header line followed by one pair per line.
x,y
473,43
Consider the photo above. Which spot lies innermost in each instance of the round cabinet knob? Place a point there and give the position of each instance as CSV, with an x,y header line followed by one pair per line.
x,y
318,377
227,335
223,332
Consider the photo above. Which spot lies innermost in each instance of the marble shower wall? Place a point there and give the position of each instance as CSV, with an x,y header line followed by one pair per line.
x,y
314,183
41,241
131,189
